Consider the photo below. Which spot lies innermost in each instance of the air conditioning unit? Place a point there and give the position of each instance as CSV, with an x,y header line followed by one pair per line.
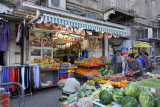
x,y
145,33
59,4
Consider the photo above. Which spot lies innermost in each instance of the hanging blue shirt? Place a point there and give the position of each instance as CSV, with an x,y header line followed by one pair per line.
x,y
142,61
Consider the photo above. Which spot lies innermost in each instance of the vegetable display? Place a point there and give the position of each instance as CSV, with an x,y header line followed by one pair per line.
x,y
105,97
157,101
62,99
129,101
151,83
146,99
117,96
131,89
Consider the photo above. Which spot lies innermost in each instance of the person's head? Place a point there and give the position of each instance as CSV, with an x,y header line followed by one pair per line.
x,y
131,57
118,52
146,54
140,54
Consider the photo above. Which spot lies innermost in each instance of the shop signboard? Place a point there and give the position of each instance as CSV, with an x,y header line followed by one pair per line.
x,y
128,32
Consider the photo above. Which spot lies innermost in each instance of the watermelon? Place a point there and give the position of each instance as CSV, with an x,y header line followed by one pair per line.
x,y
129,101
157,101
116,90
117,96
105,97
132,89
146,99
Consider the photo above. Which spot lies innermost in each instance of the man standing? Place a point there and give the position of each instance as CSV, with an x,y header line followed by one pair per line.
x,y
65,58
148,63
140,58
71,58
135,66
117,62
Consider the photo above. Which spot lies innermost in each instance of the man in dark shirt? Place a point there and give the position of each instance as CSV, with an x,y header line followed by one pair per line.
x,y
65,58
141,59
148,63
71,58
135,66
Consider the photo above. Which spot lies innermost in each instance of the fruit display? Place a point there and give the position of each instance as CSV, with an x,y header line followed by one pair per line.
x,y
119,84
132,89
102,70
151,83
129,101
105,97
117,96
85,71
115,77
91,82
146,99
96,79
89,62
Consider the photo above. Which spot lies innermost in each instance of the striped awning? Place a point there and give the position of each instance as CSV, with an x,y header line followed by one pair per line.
x,y
82,24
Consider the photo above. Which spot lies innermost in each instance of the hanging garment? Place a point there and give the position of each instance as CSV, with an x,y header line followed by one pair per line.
x,y
23,78
32,79
26,77
20,76
16,75
36,76
12,79
5,36
20,33
1,58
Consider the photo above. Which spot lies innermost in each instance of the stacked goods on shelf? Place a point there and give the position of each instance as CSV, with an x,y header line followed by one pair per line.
x,y
91,62
63,74
46,63
84,71
71,73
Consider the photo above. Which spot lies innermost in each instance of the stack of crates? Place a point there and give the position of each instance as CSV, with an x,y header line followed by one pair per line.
x,y
63,74
71,73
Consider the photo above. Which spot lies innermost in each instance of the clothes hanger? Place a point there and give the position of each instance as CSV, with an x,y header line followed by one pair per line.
x,y
1,18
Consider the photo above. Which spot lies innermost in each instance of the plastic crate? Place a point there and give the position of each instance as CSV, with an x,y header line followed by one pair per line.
x,y
63,77
63,71
62,74
70,73
70,76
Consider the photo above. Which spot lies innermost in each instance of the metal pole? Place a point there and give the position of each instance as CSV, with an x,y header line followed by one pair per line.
x,y
21,88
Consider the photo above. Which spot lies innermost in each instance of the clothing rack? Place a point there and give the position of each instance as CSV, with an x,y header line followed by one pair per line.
x,y
1,18
19,65
27,65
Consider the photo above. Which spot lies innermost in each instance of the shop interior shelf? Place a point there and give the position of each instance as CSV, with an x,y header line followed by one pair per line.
x,y
49,69
95,65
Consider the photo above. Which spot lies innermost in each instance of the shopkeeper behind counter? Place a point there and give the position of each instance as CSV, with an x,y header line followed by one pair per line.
x,y
135,66
71,86
65,58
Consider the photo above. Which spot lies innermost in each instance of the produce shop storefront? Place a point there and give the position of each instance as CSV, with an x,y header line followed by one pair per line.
x,y
58,32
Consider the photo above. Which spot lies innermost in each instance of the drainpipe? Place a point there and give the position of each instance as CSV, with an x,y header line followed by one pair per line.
x,y
36,17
